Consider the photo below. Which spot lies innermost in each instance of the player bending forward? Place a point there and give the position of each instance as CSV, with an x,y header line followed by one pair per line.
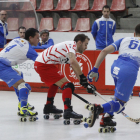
x,y
16,52
124,72
45,66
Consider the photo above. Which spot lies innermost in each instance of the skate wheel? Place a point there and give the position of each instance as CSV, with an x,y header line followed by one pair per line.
x,y
75,122
137,122
18,113
86,106
84,119
66,122
88,121
78,121
91,108
113,129
56,116
23,119
100,130
32,119
86,125
46,117
105,130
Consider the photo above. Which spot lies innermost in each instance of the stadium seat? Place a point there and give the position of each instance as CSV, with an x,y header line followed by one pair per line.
x,y
13,24
45,5
26,5
46,23
98,5
82,25
81,5
62,5
29,23
118,5
64,25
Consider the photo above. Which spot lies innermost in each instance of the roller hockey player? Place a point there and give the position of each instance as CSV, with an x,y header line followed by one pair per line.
x,y
16,52
45,66
124,72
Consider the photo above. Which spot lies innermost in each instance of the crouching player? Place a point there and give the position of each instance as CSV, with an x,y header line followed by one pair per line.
x,y
16,52
124,72
45,66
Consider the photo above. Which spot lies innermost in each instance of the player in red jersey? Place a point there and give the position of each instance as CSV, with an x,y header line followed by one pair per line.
x,y
45,66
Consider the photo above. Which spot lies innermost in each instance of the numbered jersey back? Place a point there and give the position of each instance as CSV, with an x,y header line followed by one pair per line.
x,y
130,46
15,52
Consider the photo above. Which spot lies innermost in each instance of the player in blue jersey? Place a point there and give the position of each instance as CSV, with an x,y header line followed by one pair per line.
x,y
16,52
124,71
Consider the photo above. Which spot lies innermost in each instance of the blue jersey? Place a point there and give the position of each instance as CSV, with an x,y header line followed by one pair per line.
x,y
17,51
129,49
125,69
103,30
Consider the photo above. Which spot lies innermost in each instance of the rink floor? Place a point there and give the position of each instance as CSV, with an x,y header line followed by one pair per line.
x,y
12,129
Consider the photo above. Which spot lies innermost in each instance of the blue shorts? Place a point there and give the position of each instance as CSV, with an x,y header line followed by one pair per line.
x,y
124,74
8,75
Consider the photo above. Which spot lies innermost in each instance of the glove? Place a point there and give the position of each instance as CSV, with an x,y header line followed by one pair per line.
x,y
83,80
93,73
91,89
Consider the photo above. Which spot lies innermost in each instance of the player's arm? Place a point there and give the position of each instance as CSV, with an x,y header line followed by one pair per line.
x,y
77,70
111,48
102,55
74,64
31,53
94,72
94,30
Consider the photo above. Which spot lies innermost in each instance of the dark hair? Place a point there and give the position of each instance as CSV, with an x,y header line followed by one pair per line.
x,y
81,37
30,32
106,7
21,27
137,29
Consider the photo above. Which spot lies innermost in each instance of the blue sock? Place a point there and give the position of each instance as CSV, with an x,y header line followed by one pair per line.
x,y
23,96
110,107
16,90
17,93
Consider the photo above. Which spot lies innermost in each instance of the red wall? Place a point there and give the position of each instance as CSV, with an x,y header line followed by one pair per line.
x,y
91,57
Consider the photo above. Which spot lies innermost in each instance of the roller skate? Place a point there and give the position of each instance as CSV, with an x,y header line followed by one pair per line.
x,y
95,110
30,107
50,109
69,113
107,124
25,112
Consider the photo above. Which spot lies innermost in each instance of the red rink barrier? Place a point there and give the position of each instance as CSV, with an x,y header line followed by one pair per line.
x,y
86,61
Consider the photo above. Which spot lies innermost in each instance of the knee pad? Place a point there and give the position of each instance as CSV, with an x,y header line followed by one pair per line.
x,y
117,106
69,85
24,85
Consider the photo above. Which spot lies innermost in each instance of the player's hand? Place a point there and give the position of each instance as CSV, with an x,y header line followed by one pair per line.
x,y
83,80
91,89
93,74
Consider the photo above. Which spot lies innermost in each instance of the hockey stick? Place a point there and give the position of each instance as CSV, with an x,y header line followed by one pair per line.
x,y
81,98
125,115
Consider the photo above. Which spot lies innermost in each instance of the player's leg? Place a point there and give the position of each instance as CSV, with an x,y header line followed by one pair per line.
x,y
30,107
124,75
49,107
67,90
16,90
24,90
10,76
49,74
